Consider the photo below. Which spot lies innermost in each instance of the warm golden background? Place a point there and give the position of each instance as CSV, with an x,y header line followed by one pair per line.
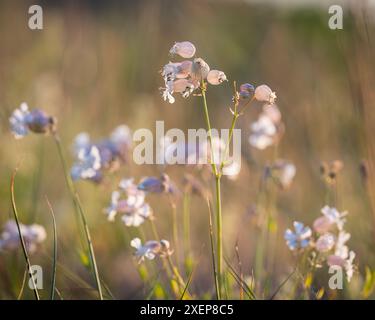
x,y
95,65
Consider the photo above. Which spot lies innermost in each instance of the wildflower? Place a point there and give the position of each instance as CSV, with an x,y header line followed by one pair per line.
x,y
246,90
264,93
185,77
199,69
216,77
109,152
284,172
33,235
151,249
298,239
22,121
184,49
157,185
88,165
334,216
325,242
263,133
129,201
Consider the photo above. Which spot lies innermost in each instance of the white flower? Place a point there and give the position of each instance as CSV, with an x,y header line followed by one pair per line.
x,y
298,239
18,121
130,201
284,171
334,216
88,165
263,133
150,249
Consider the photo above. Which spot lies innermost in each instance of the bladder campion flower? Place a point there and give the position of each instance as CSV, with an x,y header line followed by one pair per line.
x,y
88,164
33,236
22,121
130,201
186,76
151,249
298,239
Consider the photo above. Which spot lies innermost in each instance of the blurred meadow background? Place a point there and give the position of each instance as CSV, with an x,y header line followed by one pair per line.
x,y
95,66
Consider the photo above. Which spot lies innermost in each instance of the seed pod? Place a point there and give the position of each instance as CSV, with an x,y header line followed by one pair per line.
x,y
264,93
184,49
216,77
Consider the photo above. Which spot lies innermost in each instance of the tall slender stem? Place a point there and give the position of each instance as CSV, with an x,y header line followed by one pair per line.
x,y
23,244
217,174
80,212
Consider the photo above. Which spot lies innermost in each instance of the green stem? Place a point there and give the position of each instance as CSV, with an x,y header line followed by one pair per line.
x,y
80,212
24,250
217,174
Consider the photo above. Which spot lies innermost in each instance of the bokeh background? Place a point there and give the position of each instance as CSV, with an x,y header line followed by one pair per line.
x,y
95,65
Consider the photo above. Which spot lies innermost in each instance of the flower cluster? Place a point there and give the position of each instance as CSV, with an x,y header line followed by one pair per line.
x,y
151,249
129,201
267,130
186,76
33,236
94,157
23,121
329,243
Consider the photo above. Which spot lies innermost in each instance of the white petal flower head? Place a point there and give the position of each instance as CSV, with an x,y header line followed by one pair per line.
x,y
216,77
18,121
88,165
263,133
298,239
148,250
111,211
184,49
263,93
121,135
335,216
325,242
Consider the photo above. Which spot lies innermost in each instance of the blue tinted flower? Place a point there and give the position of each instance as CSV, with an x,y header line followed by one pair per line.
x,y
298,239
88,164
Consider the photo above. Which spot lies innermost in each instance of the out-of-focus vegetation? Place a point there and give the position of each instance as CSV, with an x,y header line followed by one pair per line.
x,y
95,66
